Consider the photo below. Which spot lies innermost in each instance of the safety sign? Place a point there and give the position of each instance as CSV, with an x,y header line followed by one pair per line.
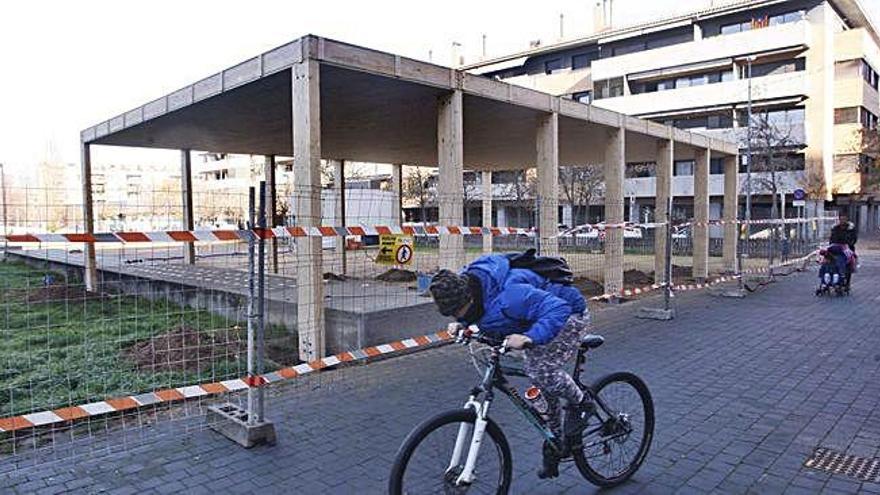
x,y
395,249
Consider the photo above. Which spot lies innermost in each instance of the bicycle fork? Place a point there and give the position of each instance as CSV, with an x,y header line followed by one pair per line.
x,y
476,440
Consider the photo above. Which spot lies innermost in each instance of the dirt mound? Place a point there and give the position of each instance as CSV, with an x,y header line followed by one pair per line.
x,y
186,349
589,288
637,278
397,275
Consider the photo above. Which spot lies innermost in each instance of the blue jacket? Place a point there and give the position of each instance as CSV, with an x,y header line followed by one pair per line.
x,y
521,301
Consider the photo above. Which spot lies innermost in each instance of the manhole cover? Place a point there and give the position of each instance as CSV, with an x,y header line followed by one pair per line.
x,y
854,466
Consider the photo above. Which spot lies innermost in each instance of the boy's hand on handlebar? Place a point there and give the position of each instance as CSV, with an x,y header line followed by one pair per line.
x,y
518,341
454,329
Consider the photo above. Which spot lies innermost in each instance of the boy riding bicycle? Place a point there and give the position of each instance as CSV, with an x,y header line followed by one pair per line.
x,y
546,319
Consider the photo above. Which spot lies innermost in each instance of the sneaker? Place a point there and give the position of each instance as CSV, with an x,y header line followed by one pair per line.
x,y
549,463
835,279
577,417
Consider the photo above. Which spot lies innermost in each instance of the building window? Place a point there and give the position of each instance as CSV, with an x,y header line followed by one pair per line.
x,y
552,66
774,68
869,74
683,168
640,170
608,88
583,60
716,166
856,115
759,22
846,115
868,119
583,97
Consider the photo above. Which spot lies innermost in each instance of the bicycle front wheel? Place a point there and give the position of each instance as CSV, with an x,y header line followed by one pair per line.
x,y
424,464
615,445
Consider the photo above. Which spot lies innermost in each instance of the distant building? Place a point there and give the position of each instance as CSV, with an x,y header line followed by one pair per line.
x,y
814,68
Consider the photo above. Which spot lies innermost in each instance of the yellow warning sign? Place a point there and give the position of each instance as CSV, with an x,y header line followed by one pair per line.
x,y
395,250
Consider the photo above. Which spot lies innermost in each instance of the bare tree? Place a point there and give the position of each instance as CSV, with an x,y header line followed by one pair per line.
x,y
524,188
416,188
868,167
580,185
774,150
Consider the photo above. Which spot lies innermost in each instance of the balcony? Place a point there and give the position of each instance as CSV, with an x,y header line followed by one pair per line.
x,y
854,44
683,186
855,92
709,95
717,47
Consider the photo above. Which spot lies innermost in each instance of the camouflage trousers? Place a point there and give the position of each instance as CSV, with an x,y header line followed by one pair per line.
x,y
545,365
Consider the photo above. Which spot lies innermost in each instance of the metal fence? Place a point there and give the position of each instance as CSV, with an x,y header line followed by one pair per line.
x,y
161,336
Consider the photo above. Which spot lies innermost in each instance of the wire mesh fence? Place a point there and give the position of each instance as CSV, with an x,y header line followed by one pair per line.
x,y
160,337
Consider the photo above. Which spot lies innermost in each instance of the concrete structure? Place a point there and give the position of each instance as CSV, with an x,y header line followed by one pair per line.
x,y
306,99
814,74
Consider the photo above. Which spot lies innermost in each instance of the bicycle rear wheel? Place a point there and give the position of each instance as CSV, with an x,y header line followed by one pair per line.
x,y
422,465
613,450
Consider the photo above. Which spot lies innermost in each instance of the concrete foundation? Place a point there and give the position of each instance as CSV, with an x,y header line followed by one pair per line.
x,y
656,314
231,421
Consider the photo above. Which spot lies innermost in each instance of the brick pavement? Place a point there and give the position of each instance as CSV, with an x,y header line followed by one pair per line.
x,y
744,391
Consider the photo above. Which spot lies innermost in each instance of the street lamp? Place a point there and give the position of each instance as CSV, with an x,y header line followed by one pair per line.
x,y
749,60
5,223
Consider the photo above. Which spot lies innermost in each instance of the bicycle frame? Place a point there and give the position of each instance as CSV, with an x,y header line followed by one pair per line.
x,y
494,378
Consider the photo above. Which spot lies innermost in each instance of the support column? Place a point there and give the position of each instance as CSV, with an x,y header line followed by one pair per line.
x,y
487,210
397,189
189,248
339,210
307,190
90,277
450,188
701,215
547,163
731,207
663,193
271,199
615,164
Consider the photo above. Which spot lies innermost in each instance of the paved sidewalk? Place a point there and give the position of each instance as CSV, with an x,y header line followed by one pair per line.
x,y
744,391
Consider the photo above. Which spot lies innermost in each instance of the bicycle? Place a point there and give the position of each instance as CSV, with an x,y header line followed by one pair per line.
x,y
606,439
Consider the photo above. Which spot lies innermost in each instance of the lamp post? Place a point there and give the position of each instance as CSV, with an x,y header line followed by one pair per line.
x,y
748,215
5,216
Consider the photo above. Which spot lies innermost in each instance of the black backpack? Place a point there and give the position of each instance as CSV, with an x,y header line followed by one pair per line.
x,y
553,268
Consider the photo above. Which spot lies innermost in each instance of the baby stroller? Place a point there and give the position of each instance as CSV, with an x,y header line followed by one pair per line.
x,y
838,264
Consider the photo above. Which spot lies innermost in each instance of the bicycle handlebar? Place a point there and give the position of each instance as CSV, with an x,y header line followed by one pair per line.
x,y
465,336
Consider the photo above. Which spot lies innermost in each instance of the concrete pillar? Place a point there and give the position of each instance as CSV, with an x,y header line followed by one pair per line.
x,y
487,210
502,216
731,207
547,163
90,277
863,218
819,107
701,215
663,184
615,164
189,248
307,191
450,187
271,198
397,190
568,215
339,211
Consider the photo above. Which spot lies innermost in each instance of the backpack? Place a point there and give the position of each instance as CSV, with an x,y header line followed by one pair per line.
x,y
553,268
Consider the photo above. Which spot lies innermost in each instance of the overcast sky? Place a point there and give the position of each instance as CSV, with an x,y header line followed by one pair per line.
x,y
70,64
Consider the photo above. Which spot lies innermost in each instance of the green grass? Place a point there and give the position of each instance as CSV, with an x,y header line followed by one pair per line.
x,y
72,350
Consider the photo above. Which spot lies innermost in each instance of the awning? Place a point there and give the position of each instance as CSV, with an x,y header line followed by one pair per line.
x,y
507,64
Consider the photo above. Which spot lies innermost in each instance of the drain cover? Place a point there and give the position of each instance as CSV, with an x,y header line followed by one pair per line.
x,y
850,465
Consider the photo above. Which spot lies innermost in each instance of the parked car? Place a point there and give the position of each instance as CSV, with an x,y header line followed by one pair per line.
x,y
630,231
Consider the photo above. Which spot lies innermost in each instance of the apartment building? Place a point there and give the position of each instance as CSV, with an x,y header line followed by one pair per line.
x,y
808,67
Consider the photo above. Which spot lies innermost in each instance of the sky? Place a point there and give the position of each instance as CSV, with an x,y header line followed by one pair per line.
x,y
67,65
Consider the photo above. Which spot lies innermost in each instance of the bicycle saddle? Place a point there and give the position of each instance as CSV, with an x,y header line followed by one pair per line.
x,y
591,341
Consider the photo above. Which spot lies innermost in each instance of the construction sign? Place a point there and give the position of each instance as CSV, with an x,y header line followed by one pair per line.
x,y
395,250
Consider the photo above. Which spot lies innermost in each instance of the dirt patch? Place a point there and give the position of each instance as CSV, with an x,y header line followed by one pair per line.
x,y
397,275
589,288
637,278
335,277
186,349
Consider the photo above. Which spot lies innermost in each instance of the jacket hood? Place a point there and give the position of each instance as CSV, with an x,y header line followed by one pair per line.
x,y
492,271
